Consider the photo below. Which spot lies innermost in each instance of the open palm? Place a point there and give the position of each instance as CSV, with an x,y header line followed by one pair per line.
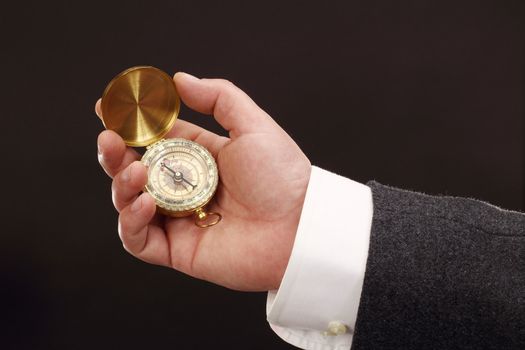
x,y
263,181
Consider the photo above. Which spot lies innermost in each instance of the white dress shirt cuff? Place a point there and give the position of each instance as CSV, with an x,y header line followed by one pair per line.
x,y
320,291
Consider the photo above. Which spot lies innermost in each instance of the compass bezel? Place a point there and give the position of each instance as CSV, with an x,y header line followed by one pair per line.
x,y
170,206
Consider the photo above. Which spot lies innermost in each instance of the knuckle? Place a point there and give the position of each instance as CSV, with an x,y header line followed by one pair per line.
x,y
227,84
115,196
126,248
114,199
102,162
132,237
124,228
120,231
121,227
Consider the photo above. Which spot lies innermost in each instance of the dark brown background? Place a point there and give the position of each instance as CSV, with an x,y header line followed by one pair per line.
x,y
425,95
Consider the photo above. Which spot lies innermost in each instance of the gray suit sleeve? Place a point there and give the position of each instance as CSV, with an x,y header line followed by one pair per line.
x,y
442,273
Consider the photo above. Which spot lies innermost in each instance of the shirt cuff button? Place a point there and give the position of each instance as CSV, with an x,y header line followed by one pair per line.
x,y
336,328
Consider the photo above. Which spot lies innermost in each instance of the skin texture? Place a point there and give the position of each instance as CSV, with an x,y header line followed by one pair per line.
x,y
263,181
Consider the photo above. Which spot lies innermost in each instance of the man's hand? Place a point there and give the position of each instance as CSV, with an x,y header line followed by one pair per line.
x,y
263,181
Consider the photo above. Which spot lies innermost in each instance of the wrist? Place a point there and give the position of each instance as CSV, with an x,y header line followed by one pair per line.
x,y
290,230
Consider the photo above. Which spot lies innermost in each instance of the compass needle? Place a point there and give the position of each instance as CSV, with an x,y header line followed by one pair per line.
x,y
189,183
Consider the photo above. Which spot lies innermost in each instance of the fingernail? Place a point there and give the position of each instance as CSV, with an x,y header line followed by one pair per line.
x,y
96,109
126,174
137,204
100,155
189,76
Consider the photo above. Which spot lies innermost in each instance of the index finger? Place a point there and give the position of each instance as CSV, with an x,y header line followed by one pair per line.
x,y
113,154
231,107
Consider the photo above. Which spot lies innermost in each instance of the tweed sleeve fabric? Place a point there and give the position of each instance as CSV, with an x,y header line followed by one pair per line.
x,y
442,273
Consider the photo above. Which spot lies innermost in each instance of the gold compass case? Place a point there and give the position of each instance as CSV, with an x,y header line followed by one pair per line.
x,y
141,104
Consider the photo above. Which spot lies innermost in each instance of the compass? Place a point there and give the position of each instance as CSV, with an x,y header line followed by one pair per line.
x,y
141,104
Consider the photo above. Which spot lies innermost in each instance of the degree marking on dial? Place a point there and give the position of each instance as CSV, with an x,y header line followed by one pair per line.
x,y
166,190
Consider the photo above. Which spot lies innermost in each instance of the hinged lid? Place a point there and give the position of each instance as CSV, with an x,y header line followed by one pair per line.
x,y
141,104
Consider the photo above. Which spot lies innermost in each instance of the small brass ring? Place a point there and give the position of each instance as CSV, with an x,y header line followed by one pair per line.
x,y
200,220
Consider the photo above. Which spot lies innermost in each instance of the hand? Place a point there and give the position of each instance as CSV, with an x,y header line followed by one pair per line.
x,y
263,181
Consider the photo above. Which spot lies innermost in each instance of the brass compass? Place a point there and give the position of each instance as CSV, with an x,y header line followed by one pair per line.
x,y
141,104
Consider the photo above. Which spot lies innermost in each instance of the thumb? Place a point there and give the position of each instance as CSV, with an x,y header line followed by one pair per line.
x,y
233,109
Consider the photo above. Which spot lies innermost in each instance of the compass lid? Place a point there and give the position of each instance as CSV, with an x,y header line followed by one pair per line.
x,y
140,104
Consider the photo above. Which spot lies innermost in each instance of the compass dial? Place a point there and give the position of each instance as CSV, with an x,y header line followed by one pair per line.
x,y
182,175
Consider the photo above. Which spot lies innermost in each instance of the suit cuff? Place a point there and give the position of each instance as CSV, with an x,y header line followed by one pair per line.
x,y
321,288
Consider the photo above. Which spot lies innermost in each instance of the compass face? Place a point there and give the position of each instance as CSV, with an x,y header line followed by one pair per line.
x,y
182,175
